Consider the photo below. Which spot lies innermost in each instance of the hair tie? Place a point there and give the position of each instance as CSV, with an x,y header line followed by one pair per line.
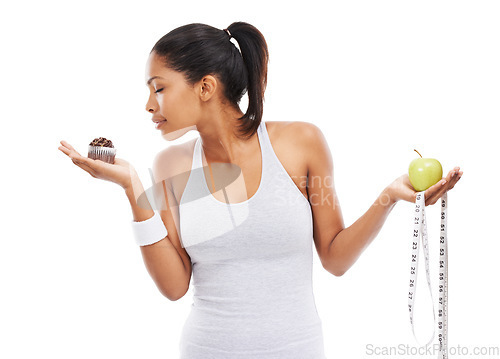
x,y
227,31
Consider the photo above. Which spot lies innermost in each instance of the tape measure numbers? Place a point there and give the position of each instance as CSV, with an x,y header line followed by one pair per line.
x,y
420,232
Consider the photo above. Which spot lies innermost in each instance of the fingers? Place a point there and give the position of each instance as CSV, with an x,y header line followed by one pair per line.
x,y
68,150
67,146
457,174
87,164
434,193
64,150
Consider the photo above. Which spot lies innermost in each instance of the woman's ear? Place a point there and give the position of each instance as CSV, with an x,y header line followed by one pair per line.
x,y
208,87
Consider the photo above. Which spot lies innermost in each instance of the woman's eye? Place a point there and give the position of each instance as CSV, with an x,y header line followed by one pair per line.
x,y
159,90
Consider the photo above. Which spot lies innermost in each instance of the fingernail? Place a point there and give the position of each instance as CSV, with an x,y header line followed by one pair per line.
x,y
443,182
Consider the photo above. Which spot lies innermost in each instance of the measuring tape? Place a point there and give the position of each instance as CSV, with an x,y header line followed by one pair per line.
x,y
420,231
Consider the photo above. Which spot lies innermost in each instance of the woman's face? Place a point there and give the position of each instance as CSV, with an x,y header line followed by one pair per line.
x,y
171,99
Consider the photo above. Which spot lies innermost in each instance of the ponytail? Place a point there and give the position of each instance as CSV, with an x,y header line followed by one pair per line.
x,y
255,55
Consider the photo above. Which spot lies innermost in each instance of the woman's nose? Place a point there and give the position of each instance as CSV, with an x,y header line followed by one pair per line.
x,y
150,107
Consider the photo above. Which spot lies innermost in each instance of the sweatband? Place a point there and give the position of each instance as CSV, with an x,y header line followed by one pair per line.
x,y
150,231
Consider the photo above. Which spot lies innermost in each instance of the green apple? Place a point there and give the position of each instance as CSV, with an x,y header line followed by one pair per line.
x,y
424,172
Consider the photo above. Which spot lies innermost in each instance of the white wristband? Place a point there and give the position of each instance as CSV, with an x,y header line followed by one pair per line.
x,y
150,231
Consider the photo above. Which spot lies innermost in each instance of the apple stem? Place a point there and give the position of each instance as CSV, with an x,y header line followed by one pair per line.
x,y
418,153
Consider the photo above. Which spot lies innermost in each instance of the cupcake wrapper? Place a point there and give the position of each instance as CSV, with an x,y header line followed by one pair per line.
x,y
106,154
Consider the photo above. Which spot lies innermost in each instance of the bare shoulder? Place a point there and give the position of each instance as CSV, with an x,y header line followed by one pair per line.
x,y
180,151
170,159
294,131
174,164
300,138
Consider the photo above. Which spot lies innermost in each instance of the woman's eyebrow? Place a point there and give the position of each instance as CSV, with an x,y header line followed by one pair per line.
x,y
152,78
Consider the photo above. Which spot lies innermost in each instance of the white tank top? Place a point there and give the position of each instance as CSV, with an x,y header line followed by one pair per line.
x,y
252,268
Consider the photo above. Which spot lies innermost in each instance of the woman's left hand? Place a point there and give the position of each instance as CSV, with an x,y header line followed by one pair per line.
x,y
401,188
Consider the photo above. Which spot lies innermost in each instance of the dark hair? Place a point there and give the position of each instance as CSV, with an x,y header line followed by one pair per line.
x,y
198,49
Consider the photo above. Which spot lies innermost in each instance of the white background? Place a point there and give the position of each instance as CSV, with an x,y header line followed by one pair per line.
x,y
379,78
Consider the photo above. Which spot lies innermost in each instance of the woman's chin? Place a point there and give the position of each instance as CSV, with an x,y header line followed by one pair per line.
x,y
170,135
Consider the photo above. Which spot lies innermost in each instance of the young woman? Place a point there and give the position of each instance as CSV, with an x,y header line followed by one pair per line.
x,y
245,235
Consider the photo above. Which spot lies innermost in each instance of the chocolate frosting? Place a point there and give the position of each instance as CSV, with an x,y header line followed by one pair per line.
x,y
101,141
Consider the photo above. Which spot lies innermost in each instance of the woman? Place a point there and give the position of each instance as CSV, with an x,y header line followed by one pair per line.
x,y
251,257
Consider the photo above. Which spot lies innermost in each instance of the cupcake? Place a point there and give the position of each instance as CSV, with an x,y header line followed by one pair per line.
x,y
102,149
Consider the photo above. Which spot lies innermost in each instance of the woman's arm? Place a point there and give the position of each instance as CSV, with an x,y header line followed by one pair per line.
x,y
349,243
339,247
163,260
167,261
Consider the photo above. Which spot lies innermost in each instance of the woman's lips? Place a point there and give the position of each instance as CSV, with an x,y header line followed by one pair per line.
x,y
158,124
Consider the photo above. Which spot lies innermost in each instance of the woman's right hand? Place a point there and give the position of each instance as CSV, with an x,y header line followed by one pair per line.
x,y
121,172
